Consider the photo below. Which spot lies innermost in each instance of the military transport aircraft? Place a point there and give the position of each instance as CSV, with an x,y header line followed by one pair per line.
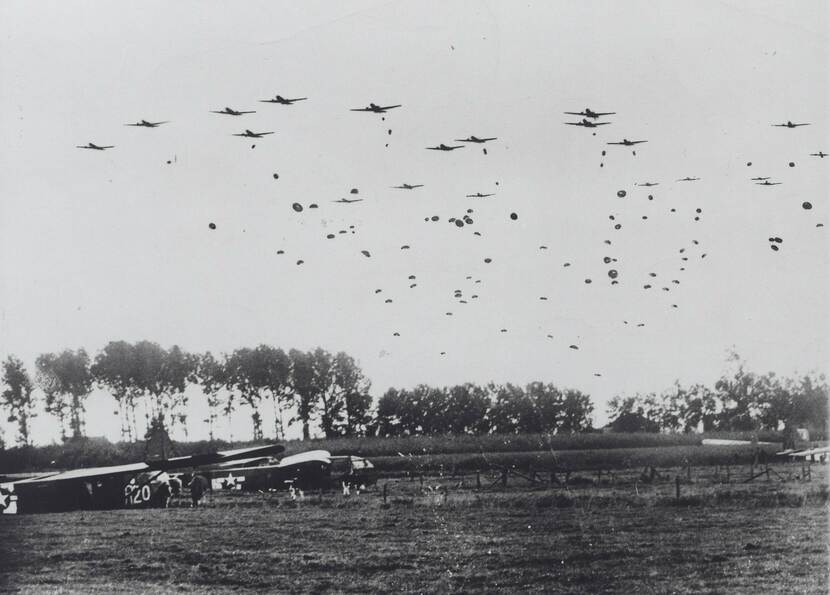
x,y
94,146
819,154
250,134
348,200
474,139
688,179
374,108
443,147
759,179
282,100
587,123
406,186
789,124
628,143
134,485
768,183
479,195
147,124
231,112
649,184
590,114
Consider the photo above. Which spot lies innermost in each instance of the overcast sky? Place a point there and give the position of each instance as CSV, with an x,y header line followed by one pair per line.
x,y
107,245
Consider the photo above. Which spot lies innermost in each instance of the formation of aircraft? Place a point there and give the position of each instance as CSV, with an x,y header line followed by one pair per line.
x,y
627,143
95,147
282,100
789,124
587,123
147,124
135,485
588,113
474,139
231,112
374,108
443,147
250,134
465,220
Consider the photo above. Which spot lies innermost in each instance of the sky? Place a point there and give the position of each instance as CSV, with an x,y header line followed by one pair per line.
x,y
115,245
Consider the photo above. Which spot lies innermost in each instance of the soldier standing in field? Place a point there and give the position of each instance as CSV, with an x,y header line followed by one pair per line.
x,y
198,487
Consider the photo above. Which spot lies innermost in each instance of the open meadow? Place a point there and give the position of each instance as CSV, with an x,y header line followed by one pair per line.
x,y
599,534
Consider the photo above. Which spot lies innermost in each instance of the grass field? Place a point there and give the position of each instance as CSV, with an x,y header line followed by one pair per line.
x,y
620,536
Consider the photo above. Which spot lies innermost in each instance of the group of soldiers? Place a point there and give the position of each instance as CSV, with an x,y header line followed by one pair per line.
x,y
172,486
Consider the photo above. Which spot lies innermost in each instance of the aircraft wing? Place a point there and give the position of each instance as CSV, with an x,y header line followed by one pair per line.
x,y
361,109
601,123
386,107
243,462
813,451
322,456
213,458
88,473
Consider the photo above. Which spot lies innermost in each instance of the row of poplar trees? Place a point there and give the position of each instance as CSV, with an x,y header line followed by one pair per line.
x,y
149,385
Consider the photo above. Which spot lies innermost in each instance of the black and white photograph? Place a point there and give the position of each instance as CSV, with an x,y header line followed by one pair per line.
x,y
414,296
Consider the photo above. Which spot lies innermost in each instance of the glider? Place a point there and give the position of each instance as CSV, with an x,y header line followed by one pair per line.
x,y
282,100
146,124
94,146
348,200
443,147
374,108
250,134
628,143
479,195
474,139
406,186
306,470
789,124
231,112
647,184
590,114
134,485
688,179
587,123
758,179
767,183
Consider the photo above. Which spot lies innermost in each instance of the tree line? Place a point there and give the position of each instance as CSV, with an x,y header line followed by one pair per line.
x,y
740,400
149,386
318,389
315,389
